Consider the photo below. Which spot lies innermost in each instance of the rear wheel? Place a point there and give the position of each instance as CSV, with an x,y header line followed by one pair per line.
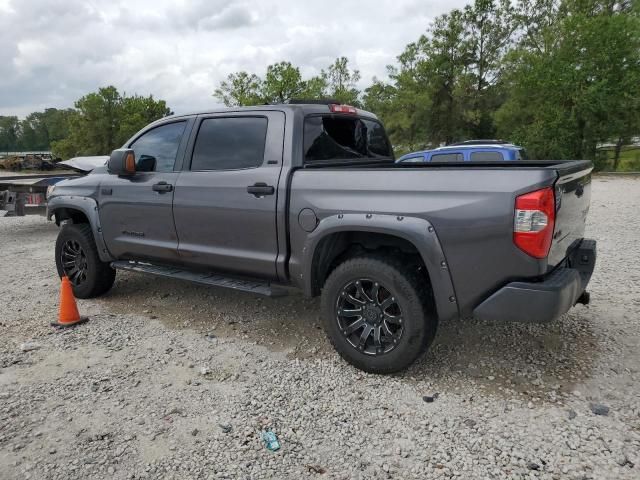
x,y
77,258
377,313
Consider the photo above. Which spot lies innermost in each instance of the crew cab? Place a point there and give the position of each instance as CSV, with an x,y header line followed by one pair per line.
x,y
468,151
309,196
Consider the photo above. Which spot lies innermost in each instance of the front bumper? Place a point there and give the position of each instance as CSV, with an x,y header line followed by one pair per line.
x,y
547,299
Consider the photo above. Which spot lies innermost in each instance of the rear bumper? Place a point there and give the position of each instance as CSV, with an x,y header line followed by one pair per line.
x,y
547,299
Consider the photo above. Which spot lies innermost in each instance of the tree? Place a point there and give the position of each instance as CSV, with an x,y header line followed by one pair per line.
x,y
575,83
9,133
39,129
281,83
104,120
240,89
342,81
314,88
488,29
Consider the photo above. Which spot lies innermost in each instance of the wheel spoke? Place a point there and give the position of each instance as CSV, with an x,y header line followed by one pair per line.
x,y
387,302
348,312
395,319
73,275
387,332
353,327
375,290
363,295
376,337
354,300
364,336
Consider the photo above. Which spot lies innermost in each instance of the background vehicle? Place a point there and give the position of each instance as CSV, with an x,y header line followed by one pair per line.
x,y
469,151
26,194
310,196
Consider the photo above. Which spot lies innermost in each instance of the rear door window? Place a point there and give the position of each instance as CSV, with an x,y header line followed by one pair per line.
x,y
336,137
486,156
230,143
447,157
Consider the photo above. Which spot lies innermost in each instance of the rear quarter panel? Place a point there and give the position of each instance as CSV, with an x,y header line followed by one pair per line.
x,y
470,209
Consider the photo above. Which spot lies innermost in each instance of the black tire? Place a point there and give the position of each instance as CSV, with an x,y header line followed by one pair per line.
x,y
412,298
97,277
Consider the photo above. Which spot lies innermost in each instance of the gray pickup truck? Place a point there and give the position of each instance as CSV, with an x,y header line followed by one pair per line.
x,y
308,195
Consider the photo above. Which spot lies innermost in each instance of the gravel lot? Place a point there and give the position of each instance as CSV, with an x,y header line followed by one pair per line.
x,y
172,380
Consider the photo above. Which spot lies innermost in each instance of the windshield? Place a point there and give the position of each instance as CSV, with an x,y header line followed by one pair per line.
x,y
335,137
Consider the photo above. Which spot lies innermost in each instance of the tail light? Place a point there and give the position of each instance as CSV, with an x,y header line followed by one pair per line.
x,y
336,108
535,216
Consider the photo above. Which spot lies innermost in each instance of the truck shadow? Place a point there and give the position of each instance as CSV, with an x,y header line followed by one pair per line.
x,y
513,360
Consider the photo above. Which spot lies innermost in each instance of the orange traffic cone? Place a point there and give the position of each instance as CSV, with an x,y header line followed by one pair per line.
x,y
68,314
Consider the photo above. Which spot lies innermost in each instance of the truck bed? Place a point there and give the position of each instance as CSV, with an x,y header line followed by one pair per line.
x,y
470,205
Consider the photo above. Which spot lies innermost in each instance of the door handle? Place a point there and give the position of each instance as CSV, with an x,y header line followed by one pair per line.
x,y
259,189
162,187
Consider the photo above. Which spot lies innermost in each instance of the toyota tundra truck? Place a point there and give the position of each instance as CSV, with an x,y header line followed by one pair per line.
x,y
308,195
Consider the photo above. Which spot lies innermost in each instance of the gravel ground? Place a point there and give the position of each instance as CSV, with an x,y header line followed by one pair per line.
x,y
171,380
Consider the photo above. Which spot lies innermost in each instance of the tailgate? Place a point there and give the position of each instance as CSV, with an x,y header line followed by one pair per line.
x,y
573,196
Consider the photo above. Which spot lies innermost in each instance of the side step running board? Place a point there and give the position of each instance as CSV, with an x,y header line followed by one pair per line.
x,y
252,286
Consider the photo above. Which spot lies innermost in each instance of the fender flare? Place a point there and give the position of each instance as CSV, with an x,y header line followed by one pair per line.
x,y
89,207
418,231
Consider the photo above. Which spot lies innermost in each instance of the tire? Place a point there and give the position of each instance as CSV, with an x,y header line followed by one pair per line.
x,y
412,305
97,277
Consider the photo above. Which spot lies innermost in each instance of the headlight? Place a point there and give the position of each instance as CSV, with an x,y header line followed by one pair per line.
x,y
50,190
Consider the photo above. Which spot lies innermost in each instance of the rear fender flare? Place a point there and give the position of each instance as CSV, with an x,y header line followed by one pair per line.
x,y
89,207
419,232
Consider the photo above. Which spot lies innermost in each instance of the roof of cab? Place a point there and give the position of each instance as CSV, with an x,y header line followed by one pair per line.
x,y
304,108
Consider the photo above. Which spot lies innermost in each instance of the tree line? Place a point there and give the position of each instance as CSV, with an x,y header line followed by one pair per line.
x,y
558,77
100,122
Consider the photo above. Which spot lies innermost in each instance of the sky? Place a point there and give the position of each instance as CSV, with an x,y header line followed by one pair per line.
x,y
52,52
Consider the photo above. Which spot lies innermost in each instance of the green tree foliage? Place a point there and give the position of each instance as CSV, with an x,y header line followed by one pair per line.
x,y
575,80
283,82
341,82
448,84
9,133
240,89
39,129
104,120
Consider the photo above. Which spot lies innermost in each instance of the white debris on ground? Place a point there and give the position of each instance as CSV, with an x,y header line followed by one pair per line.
x,y
170,380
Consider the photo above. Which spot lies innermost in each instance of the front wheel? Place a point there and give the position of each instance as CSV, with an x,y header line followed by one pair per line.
x,y
377,313
77,258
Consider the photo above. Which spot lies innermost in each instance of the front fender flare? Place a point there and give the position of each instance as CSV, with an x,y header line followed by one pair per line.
x,y
89,207
419,232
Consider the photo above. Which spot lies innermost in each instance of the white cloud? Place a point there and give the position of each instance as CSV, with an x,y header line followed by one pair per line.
x,y
54,51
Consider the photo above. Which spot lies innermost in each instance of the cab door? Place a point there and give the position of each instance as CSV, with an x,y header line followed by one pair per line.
x,y
225,199
136,212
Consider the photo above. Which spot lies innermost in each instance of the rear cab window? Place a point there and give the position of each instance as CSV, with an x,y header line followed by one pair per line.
x,y
342,137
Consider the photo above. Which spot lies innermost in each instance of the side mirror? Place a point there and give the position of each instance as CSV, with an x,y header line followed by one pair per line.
x,y
122,162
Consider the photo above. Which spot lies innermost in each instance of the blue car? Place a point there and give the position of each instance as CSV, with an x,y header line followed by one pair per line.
x,y
469,151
